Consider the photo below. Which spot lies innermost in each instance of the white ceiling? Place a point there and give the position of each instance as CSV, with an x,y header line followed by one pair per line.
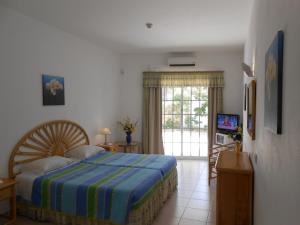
x,y
178,25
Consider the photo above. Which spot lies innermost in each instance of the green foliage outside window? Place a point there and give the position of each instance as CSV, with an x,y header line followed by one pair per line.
x,y
182,99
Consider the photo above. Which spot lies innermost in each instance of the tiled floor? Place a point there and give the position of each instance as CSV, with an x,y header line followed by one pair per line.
x,y
192,204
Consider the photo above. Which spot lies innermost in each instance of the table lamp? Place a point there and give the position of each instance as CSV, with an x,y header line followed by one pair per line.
x,y
105,131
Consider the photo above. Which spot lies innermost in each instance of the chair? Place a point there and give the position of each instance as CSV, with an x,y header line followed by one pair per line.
x,y
213,154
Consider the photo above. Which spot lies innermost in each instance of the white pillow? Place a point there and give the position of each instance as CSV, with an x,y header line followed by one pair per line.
x,y
84,151
42,166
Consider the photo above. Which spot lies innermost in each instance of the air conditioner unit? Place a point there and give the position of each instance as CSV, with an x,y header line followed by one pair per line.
x,y
223,139
182,61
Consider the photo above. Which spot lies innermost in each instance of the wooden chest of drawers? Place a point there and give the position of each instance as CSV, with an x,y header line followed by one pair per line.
x,y
234,189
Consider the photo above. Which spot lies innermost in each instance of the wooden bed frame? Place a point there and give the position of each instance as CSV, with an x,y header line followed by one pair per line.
x,y
48,139
55,138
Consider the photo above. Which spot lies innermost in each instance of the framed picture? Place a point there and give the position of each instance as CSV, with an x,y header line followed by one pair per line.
x,y
251,108
245,97
53,90
273,85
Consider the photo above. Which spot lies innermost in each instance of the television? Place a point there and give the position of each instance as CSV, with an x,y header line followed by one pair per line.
x,y
227,122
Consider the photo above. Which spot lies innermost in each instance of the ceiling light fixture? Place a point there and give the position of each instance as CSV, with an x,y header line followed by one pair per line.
x,y
149,25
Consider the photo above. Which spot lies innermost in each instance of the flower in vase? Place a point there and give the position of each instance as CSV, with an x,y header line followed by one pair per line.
x,y
238,135
127,125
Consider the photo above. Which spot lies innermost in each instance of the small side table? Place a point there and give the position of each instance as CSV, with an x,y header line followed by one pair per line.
x,y
111,147
128,148
7,191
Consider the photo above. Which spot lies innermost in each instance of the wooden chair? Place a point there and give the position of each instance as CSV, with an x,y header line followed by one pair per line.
x,y
213,154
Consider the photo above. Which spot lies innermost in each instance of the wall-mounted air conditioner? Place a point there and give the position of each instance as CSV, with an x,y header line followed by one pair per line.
x,y
182,61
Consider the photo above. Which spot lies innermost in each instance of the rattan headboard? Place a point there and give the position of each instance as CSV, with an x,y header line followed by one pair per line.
x,y
48,139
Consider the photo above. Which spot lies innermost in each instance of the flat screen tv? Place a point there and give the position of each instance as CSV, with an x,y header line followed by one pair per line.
x,y
227,122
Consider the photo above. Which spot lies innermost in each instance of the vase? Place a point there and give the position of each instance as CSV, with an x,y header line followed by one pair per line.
x,y
128,138
238,147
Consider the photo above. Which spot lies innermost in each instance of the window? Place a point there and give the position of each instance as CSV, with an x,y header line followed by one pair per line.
x,y
184,118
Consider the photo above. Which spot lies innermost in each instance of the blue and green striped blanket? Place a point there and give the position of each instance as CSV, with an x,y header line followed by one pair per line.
x,y
158,162
95,191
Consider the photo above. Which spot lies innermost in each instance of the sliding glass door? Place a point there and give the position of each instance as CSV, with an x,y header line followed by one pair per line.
x,y
184,118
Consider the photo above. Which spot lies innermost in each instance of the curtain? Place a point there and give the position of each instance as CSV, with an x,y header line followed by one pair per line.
x,y
215,105
152,122
181,79
154,81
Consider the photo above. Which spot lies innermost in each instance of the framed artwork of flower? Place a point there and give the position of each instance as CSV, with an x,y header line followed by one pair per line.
x,y
53,90
273,85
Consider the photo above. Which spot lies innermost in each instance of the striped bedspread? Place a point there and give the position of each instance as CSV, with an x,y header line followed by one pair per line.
x,y
95,191
158,162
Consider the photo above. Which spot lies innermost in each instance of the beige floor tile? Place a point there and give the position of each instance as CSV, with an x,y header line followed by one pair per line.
x,y
202,188
195,214
199,204
191,222
179,201
201,195
188,183
202,182
166,220
186,187
172,210
184,193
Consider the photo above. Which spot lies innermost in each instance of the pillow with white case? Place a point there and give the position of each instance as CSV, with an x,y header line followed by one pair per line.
x,y
43,166
84,151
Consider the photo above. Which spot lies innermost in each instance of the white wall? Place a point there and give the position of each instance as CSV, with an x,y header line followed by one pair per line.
x,y
133,65
29,48
277,179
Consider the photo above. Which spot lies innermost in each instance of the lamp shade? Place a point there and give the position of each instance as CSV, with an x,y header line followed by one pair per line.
x,y
105,131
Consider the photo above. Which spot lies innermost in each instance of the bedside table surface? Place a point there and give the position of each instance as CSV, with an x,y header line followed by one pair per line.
x,y
107,147
8,193
6,182
123,143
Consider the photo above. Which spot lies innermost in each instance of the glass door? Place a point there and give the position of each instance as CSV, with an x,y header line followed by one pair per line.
x,y
184,118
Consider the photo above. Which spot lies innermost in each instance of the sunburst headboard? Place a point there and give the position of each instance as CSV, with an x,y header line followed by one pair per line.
x,y
48,139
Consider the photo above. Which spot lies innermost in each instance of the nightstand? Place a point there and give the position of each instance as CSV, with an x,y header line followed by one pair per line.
x,y
128,148
8,192
107,147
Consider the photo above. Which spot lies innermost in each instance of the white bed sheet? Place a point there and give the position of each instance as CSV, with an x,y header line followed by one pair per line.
x,y
24,185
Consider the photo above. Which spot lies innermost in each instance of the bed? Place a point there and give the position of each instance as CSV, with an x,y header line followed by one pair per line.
x,y
87,191
166,165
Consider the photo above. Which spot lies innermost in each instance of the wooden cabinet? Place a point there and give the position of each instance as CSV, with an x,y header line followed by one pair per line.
x,y
234,189
7,192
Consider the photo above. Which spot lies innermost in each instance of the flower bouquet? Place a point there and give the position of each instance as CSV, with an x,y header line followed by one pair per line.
x,y
129,127
237,137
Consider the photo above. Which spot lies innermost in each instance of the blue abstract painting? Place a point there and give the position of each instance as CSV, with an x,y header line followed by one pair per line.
x,y
273,85
53,90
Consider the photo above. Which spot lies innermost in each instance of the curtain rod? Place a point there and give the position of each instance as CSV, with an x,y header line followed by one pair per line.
x,y
197,71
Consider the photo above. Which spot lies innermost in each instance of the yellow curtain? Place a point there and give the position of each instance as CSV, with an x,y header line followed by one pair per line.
x,y
152,121
152,135
180,79
215,106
